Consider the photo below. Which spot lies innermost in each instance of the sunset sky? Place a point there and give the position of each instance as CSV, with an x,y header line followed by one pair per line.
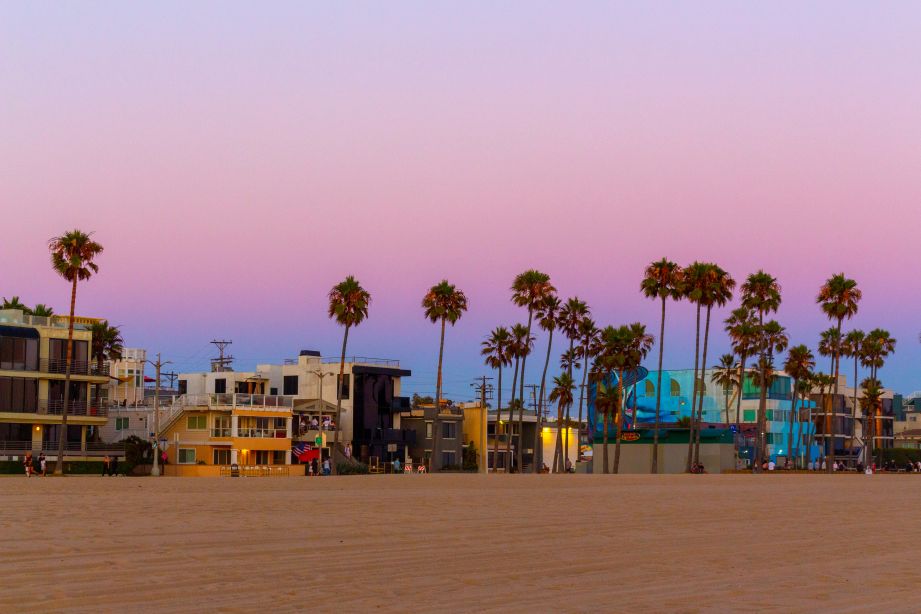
x,y
238,159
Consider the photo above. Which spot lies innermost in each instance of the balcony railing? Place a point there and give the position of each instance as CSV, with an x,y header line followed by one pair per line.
x,y
267,402
77,367
55,407
365,360
265,433
221,432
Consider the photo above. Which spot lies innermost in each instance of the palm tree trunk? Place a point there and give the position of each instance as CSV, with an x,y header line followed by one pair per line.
x,y
59,465
687,465
742,358
562,436
495,445
762,407
519,449
345,340
540,407
435,463
524,360
834,397
511,420
655,434
620,418
605,444
703,385
790,434
582,394
854,413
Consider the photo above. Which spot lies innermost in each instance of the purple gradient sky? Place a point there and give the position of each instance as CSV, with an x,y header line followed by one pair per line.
x,y
237,160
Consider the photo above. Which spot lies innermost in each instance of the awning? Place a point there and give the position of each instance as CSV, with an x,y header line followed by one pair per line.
x,y
23,332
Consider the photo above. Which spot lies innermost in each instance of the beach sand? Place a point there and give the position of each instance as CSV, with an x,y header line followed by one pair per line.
x,y
462,543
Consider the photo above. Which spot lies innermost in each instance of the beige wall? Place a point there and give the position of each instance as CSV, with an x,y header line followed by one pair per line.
x,y
637,458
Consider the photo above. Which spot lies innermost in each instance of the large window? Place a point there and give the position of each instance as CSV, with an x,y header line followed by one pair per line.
x,y
278,457
261,457
448,458
57,356
186,456
121,424
222,457
290,385
18,354
183,386
449,430
18,394
222,426
220,385
197,423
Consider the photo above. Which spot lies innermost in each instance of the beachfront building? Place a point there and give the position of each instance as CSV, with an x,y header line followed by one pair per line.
x,y
850,441
512,436
420,419
719,418
33,353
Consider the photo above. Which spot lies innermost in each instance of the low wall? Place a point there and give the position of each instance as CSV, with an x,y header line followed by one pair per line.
x,y
637,458
214,471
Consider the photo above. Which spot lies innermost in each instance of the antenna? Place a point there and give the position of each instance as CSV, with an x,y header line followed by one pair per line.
x,y
223,362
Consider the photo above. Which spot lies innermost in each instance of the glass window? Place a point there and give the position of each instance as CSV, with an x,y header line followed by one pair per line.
x,y
278,457
749,415
183,386
447,459
222,426
186,456
221,457
220,385
121,424
290,385
650,389
18,354
428,430
18,394
449,430
675,388
197,423
261,457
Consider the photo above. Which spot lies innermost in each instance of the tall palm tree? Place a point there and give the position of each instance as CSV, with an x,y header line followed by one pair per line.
x,y
523,344
823,382
717,291
42,310
443,303
725,375
624,350
694,287
662,280
838,298
589,338
606,401
72,257
773,339
496,351
877,345
571,315
872,405
851,348
562,395
761,294
804,388
830,345
348,305
547,312
15,303
743,334
799,365
528,290
107,344
568,361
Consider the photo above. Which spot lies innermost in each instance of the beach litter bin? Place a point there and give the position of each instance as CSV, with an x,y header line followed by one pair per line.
x,y
235,470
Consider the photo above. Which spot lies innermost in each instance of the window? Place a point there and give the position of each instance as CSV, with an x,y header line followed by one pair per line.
x,y
748,415
186,456
197,423
447,458
183,386
220,385
222,426
18,354
650,389
19,394
428,430
121,424
261,457
278,457
222,457
343,386
273,391
290,385
675,388
449,430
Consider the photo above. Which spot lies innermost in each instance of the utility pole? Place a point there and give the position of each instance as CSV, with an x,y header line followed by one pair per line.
x,y
320,375
155,470
484,390
220,364
171,376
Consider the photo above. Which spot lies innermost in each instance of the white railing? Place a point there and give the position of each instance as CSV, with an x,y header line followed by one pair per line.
x,y
236,400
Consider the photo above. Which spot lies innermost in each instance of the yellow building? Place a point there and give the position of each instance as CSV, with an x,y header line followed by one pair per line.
x,y
33,353
205,434
475,419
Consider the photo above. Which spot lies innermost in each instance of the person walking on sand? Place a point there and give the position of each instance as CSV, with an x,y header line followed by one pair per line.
x,y
105,465
27,462
43,463
113,466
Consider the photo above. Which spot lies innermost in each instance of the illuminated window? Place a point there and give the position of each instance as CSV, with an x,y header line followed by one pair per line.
x,y
676,388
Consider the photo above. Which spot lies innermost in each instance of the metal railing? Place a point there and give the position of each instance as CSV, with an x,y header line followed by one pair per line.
x,y
244,401
77,367
366,360
15,446
221,432
260,432
265,471
55,407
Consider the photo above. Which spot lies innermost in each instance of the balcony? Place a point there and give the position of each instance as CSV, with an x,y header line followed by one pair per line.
x,y
362,360
267,402
404,436
55,407
77,367
263,433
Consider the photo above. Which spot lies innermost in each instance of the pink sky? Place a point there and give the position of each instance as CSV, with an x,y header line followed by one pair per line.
x,y
238,160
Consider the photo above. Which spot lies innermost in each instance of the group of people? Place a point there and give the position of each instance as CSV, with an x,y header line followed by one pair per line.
x,y
314,467
36,466
109,466
328,424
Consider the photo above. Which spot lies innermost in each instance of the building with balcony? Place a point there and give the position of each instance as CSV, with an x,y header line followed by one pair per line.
x,y
33,353
420,420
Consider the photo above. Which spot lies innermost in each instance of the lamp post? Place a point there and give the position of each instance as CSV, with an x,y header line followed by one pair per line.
x,y
155,469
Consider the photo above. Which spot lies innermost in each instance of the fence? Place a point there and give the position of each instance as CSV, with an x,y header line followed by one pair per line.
x,y
255,471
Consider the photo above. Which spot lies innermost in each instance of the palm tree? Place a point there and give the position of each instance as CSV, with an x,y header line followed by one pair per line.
x,y
547,312
725,375
573,312
562,395
823,382
528,290
851,348
442,303
568,361
877,345
72,257
606,401
716,292
773,339
872,404
830,345
522,346
107,345
761,294
624,350
838,298
589,337
42,310
662,280
348,305
15,303
799,365
743,334
496,351
695,282
804,389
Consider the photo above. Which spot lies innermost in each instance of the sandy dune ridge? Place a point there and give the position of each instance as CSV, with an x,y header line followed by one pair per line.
x,y
845,543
